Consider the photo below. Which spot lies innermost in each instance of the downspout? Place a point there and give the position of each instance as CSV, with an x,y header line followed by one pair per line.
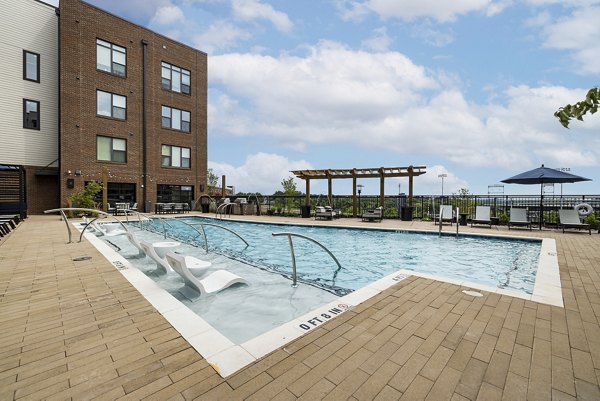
x,y
146,207
60,169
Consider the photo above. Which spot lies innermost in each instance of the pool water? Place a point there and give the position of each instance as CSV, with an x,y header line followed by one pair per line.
x,y
368,255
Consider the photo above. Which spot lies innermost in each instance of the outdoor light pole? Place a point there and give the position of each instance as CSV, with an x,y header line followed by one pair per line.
x,y
442,176
359,187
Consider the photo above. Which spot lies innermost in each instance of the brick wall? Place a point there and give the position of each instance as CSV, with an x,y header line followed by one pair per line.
x,y
80,25
42,190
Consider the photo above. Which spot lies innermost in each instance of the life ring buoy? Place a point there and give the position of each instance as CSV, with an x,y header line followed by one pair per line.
x,y
584,209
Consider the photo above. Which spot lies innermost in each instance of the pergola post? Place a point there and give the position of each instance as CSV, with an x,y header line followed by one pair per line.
x,y
353,192
223,189
410,186
381,187
329,188
307,201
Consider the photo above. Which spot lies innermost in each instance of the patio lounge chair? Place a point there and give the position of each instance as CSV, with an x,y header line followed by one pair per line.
x,y
570,219
162,266
518,218
324,212
446,214
373,214
482,216
195,287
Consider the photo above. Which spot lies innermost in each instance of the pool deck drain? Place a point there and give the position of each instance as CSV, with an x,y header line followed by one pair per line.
x,y
80,330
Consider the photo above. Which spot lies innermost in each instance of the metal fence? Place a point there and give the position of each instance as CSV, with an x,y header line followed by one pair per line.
x,y
424,207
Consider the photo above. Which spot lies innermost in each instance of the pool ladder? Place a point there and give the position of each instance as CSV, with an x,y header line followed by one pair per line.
x,y
457,223
224,210
294,272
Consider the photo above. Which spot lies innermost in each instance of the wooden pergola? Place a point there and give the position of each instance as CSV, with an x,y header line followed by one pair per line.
x,y
381,172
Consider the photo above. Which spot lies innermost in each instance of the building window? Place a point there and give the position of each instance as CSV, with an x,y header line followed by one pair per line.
x,y
31,114
111,149
111,58
111,105
175,156
31,66
175,119
174,193
175,78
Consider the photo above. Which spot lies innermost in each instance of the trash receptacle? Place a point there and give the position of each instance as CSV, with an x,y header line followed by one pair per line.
x,y
406,213
305,211
205,207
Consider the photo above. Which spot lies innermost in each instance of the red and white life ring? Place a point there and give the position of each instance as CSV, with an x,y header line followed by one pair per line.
x,y
584,209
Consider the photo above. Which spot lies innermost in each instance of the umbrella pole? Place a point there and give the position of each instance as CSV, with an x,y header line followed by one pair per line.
x,y
541,204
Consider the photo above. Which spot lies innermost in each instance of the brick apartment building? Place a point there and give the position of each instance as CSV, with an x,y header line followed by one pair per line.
x,y
133,109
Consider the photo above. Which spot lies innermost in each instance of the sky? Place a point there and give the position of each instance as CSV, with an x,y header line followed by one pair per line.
x,y
467,88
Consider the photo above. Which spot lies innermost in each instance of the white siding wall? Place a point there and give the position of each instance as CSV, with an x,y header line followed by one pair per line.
x,y
28,25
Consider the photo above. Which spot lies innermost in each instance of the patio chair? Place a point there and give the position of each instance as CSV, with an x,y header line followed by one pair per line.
x,y
568,218
446,214
195,287
482,216
324,213
163,267
518,218
373,214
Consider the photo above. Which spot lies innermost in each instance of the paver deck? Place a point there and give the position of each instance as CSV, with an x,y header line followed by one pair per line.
x,y
79,330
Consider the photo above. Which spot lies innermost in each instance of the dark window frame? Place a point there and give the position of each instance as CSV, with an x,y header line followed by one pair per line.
x,y
170,119
112,106
25,53
170,157
167,193
26,121
112,150
182,72
112,49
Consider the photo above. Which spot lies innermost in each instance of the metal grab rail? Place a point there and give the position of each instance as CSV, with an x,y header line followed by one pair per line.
x,y
457,222
202,196
79,209
221,210
294,273
257,203
216,225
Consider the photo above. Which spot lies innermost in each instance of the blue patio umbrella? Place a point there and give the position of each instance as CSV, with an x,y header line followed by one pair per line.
x,y
543,175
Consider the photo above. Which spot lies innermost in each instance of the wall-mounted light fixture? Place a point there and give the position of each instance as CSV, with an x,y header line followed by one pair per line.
x,y
77,172
68,172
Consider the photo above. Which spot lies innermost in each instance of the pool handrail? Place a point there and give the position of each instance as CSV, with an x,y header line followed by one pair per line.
x,y
216,225
257,202
457,223
294,271
62,210
202,196
221,210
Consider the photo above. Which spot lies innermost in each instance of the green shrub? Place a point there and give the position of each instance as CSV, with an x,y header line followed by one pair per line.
x,y
503,219
85,198
593,221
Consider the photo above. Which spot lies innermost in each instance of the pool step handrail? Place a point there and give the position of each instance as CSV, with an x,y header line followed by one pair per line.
x,y
204,196
457,222
294,271
223,210
216,225
62,211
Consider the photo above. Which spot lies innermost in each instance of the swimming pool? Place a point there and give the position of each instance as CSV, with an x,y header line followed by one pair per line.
x,y
368,255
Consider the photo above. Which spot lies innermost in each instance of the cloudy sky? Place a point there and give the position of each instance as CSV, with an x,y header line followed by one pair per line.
x,y
465,87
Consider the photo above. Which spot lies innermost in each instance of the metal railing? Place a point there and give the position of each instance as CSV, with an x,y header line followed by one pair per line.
x,y
293,255
62,211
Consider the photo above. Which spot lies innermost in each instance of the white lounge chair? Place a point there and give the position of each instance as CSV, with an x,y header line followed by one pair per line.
x,y
131,237
195,287
569,218
162,266
109,230
373,214
518,218
446,214
482,216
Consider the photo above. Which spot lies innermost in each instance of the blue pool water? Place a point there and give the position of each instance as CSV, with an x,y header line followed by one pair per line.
x,y
368,255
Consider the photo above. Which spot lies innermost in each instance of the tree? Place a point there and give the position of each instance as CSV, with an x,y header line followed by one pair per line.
x,y
578,110
212,181
289,189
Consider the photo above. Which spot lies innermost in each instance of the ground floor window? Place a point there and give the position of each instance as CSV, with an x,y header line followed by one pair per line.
x,y
118,192
174,193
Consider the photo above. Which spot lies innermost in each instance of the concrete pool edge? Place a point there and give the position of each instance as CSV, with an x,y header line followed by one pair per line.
x,y
228,358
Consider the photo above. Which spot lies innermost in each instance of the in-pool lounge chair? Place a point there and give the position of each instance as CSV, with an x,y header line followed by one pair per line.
x,y
518,218
373,214
109,230
482,216
569,218
446,214
131,237
162,266
324,213
195,287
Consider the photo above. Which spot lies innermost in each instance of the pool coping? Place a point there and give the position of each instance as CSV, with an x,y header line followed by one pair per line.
x,y
227,357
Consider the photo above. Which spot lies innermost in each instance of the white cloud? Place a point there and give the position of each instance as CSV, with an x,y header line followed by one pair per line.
x,y
379,41
261,172
432,36
580,34
383,101
442,11
249,10
221,35
167,14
